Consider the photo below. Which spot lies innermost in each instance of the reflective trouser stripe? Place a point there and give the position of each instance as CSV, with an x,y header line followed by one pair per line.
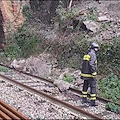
x,y
93,96
84,94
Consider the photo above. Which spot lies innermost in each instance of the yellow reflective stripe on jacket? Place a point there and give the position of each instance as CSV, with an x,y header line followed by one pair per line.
x,y
86,57
95,73
87,75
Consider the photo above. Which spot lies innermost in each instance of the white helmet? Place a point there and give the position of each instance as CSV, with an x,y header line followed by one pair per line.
x,y
94,45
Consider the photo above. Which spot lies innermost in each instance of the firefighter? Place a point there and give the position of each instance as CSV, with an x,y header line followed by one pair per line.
x,y
88,73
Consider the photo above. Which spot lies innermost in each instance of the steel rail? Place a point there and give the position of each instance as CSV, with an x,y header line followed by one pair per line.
x,y
53,99
9,113
52,82
47,80
104,100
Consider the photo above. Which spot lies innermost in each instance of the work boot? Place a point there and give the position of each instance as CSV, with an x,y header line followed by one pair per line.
x,y
85,100
93,103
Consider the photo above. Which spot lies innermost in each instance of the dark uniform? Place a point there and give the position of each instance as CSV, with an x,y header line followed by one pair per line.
x,y
89,71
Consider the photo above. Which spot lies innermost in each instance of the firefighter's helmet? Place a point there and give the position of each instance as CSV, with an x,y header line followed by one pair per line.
x,y
94,45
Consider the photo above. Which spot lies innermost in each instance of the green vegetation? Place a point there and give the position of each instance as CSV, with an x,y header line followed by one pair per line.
x,y
26,42
68,79
27,11
112,107
110,87
13,50
92,14
3,69
109,57
64,15
70,55
104,26
23,44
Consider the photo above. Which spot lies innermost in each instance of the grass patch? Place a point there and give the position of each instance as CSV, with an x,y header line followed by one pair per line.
x,y
3,69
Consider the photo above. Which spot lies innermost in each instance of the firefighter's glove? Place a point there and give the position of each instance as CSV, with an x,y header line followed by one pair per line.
x,y
94,74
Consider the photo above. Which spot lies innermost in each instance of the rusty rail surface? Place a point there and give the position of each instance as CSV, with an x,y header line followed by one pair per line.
x,y
78,110
9,113
51,81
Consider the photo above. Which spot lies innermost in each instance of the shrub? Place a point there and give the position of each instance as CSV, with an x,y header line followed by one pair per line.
x,y
23,44
71,54
112,107
13,51
64,15
109,87
109,57
27,11
68,79
92,14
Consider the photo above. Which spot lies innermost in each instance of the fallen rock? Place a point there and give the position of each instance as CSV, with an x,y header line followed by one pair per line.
x,y
91,25
103,18
19,65
107,35
62,85
38,67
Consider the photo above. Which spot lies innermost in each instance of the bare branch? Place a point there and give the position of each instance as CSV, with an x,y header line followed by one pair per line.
x,y
70,4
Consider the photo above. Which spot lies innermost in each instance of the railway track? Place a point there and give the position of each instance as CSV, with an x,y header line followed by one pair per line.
x,y
71,99
75,89
8,113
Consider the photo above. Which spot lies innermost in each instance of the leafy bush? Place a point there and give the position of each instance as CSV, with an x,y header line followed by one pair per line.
x,y
109,57
110,87
71,55
64,15
92,17
13,51
112,107
68,79
93,14
23,44
27,11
